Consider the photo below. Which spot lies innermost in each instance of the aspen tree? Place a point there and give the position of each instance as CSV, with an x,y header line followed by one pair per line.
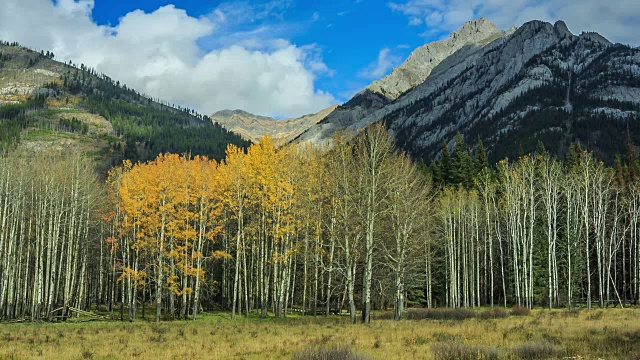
x,y
550,171
407,204
235,185
344,192
373,150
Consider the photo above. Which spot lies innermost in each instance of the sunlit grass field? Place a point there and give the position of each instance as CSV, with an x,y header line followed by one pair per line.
x,y
481,334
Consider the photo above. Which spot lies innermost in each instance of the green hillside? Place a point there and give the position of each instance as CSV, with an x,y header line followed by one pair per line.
x,y
47,104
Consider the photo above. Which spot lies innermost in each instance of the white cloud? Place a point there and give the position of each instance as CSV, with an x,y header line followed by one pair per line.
x,y
161,53
381,67
414,21
616,20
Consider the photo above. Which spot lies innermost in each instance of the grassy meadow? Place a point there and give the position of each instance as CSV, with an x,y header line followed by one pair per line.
x,y
427,334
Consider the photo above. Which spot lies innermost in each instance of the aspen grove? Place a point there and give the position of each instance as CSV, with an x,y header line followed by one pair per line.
x,y
352,228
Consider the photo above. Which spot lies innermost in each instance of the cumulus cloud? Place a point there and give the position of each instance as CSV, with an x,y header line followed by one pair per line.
x,y
616,20
379,68
161,53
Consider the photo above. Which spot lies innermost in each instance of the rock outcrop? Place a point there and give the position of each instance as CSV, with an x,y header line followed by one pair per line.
x,y
414,71
424,59
252,127
535,83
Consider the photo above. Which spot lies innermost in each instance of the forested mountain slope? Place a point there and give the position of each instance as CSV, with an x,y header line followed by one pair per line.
x,y
47,104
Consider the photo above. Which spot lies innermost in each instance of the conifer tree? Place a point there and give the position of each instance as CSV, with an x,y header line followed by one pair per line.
x,y
461,163
436,172
573,157
631,159
445,164
482,162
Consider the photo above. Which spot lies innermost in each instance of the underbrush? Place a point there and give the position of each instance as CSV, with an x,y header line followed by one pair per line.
x,y
328,352
452,334
461,351
456,314
535,350
520,311
530,350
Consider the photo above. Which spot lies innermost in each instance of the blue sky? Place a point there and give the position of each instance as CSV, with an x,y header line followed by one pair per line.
x,y
277,58
350,34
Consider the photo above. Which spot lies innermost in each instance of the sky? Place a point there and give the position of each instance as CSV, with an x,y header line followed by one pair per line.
x,y
276,58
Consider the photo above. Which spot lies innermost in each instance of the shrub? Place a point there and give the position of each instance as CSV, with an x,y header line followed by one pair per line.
x,y
520,311
157,329
573,312
440,314
383,315
595,315
534,350
461,351
445,336
328,352
496,313
416,340
86,354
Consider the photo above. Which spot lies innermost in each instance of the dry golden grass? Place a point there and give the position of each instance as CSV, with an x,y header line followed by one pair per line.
x,y
606,334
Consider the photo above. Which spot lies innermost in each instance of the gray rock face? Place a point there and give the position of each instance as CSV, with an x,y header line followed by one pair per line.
x,y
425,58
538,82
420,64
359,107
561,29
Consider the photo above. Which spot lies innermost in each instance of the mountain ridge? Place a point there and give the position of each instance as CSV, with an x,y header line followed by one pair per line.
x,y
252,127
49,105
417,67
538,77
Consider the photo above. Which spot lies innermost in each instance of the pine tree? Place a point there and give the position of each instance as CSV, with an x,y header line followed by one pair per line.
x,y
631,159
619,172
445,164
482,162
461,164
573,157
436,172
541,150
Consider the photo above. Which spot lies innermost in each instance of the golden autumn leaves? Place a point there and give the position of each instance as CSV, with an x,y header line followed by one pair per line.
x,y
277,228
166,212
170,211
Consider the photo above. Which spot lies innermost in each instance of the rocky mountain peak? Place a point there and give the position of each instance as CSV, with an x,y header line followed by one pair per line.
x,y
224,115
596,38
561,29
425,58
536,82
474,30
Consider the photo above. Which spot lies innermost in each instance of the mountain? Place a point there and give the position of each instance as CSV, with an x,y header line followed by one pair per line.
x,y
252,127
46,104
424,59
536,83
512,89
414,71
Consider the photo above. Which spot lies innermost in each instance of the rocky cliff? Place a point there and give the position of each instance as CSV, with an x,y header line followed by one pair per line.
x,y
536,83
